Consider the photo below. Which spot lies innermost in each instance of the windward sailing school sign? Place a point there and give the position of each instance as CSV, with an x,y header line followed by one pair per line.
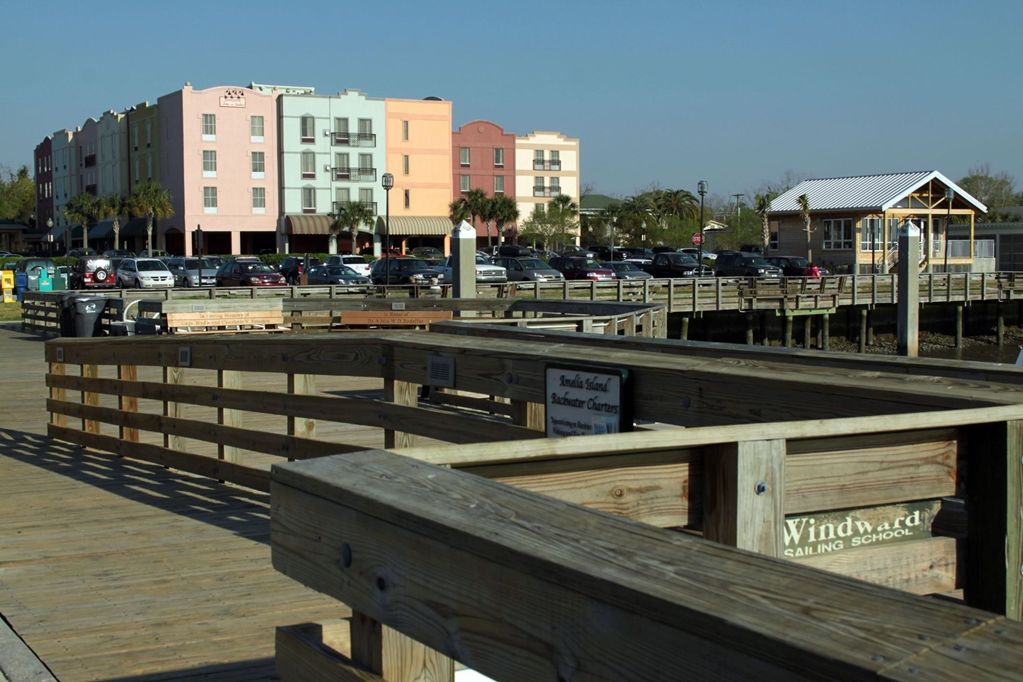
x,y
582,401
813,534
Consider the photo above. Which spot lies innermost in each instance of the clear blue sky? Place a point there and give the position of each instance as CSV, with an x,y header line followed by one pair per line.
x,y
737,93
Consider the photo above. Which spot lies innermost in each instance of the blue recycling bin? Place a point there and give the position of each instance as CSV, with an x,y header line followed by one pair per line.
x,y
20,285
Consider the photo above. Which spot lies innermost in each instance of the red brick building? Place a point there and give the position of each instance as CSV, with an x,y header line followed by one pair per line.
x,y
483,157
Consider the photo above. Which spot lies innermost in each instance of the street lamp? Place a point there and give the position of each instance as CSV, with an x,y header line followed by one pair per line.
x,y
701,189
950,194
387,182
49,233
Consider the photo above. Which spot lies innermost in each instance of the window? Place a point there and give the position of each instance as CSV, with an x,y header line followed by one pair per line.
x,y
555,160
538,188
773,228
870,230
149,133
463,156
365,127
209,199
308,128
404,130
498,157
149,167
256,129
209,163
408,199
365,162
308,165
259,200
308,200
498,184
404,164
341,163
366,196
342,195
838,233
136,169
463,183
341,131
209,128
135,136
258,164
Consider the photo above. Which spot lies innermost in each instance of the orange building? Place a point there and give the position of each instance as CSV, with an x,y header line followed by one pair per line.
x,y
419,156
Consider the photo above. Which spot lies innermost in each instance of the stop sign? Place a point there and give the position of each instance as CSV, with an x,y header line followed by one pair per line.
x,y
697,238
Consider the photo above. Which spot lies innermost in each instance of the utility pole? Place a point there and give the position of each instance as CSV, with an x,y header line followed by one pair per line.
x,y
738,209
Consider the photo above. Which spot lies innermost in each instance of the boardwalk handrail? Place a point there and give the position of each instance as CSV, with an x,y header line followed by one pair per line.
x,y
523,587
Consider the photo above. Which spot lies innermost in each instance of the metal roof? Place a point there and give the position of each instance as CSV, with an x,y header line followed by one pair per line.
x,y
864,192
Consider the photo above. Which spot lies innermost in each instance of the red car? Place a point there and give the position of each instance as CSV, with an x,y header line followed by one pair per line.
x,y
582,267
248,274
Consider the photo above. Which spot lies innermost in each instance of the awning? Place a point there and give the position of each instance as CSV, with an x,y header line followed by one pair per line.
x,y
136,227
417,226
306,223
102,230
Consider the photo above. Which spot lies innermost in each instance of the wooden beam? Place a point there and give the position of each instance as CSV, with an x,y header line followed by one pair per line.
x,y
400,393
548,600
300,655
394,656
302,384
926,566
89,398
128,403
58,393
744,495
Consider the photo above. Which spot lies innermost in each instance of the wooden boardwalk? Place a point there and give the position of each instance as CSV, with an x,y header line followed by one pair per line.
x,y
113,569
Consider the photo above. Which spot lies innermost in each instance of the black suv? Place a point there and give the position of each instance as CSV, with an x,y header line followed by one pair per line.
x,y
394,270
93,271
673,264
734,264
292,267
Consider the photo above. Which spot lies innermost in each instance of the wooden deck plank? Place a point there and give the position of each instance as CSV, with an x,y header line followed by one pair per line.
x,y
112,568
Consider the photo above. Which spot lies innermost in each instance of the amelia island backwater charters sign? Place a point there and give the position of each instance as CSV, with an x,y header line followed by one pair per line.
x,y
586,400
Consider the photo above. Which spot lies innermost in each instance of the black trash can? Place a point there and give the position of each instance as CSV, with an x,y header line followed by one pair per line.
x,y
67,315
88,311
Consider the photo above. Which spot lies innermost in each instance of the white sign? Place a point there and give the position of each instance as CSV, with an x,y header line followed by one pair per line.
x,y
584,401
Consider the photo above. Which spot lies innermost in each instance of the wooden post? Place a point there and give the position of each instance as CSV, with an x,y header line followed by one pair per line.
x,y
302,384
994,503
400,393
684,335
763,329
863,330
826,332
807,331
228,379
1000,335
908,325
530,415
394,656
89,398
749,329
870,329
788,331
744,495
172,376
959,325
58,369
128,403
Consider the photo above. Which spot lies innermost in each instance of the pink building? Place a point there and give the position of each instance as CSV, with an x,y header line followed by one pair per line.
x,y
483,157
88,168
218,161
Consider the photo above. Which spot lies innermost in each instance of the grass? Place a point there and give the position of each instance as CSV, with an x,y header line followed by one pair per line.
x,y
10,311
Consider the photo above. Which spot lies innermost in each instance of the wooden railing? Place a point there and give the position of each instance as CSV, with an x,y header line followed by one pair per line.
x,y
438,565
903,477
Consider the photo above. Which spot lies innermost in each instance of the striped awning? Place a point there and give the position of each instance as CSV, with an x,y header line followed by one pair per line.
x,y
306,223
417,226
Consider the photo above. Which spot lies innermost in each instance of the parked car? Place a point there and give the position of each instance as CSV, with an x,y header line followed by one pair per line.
x,y
737,264
192,272
794,266
626,270
357,263
695,253
144,273
578,251
335,274
514,251
403,270
528,270
78,253
486,271
93,272
580,267
293,267
119,253
248,272
663,249
675,264
636,254
427,252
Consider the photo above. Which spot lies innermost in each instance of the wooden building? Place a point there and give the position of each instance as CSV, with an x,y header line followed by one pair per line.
x,y
855,221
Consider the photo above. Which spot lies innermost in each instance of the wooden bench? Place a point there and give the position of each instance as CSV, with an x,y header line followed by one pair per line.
x,y
212,317
388,318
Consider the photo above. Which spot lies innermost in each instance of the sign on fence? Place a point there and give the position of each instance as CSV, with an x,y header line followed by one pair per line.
x,y
826,532
585,400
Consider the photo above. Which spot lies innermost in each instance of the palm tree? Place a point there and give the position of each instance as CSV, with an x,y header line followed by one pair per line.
x,y
804,213
349,216
562,211
762,205
151,200
504,210
458,211
677,202
487,213
82,208
112,206
475,199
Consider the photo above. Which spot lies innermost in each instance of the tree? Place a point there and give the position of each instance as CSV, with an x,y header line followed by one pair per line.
x,y
112,206
762,206
997,191
487,213
804,212
458,211
151,200
349,216
476,200
82,208
504,211
17,196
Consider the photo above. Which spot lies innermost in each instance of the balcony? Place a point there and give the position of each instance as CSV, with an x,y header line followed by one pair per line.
x,y
541,191
90,160
546,165
355,139
338,205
